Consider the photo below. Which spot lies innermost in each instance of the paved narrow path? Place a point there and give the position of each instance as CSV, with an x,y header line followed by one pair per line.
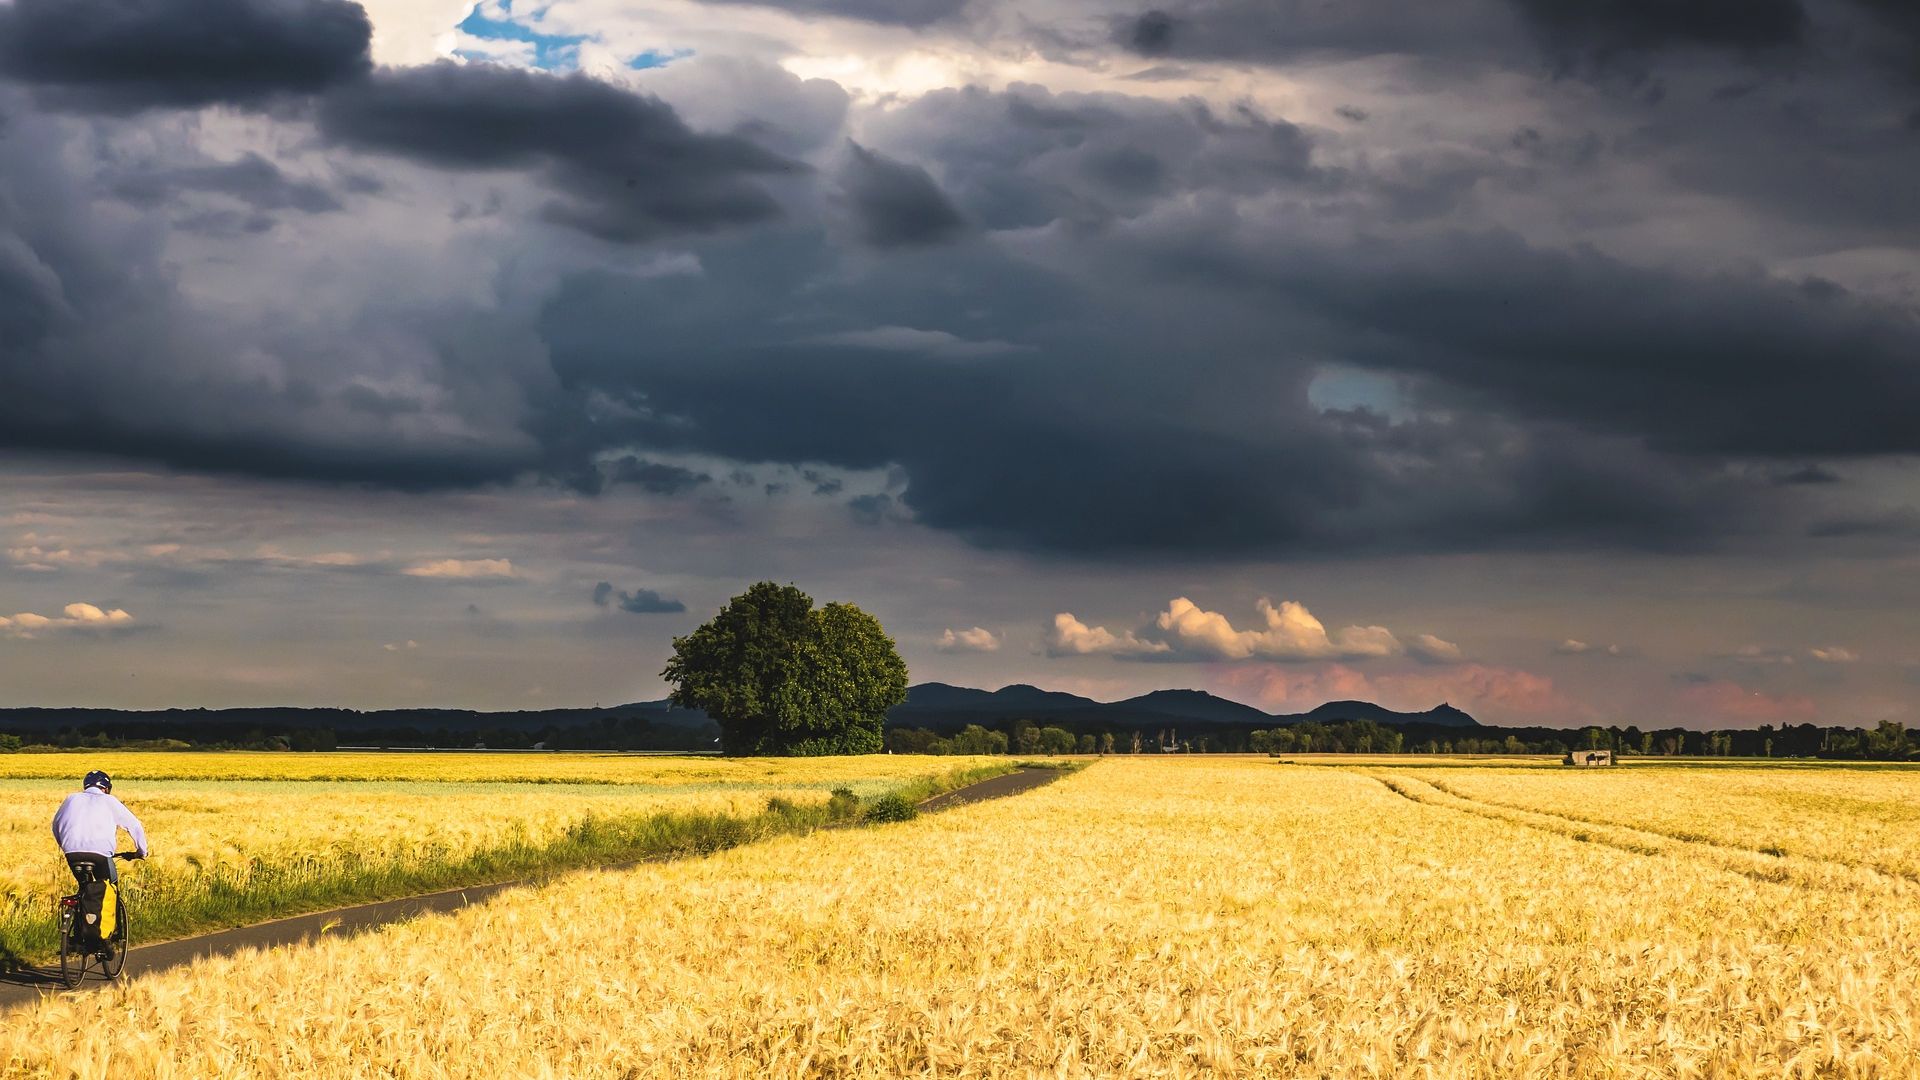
x,y
1012,783
27,984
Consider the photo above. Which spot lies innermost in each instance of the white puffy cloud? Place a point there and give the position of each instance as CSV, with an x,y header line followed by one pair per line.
x,y
77,617
87,613
1292,633
40,555
270,555
1575,647
1186,631
907,339
1434,650
976,639
1760,654
1834,654
1071,637
463,569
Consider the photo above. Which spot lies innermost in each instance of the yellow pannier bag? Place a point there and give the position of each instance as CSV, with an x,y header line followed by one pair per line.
x,y
109,912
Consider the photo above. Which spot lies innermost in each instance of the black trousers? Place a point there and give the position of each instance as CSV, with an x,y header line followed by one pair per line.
x,y
99,867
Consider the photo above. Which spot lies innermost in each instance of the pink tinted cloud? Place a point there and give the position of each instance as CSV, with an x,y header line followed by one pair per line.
x,y
1492,694
1508,692
1277,688
1721,703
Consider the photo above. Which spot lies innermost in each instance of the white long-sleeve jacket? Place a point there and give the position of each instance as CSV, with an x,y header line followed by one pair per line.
x,y
88,822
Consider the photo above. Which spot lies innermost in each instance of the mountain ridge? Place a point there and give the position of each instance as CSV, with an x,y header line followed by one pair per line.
x,y
931,705
936,699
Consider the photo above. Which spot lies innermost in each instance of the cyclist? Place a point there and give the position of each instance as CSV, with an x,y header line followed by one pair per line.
x,y
87,827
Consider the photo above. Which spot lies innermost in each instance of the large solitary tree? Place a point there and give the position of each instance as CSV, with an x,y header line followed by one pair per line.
x,y
783,677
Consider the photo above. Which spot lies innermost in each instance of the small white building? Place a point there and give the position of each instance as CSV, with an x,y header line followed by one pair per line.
x,y
1585,758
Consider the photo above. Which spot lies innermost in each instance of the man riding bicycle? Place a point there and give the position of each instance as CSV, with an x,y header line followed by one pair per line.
x,y
87,827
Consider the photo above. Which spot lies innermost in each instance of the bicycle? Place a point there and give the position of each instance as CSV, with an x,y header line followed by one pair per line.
x,y
80,945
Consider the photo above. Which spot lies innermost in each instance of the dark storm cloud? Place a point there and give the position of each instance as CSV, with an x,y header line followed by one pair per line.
x,y
224,223
1735,364
1784,104
822,483
1590,401
1152,34
1893,37
101,354
1143,385
251,179
1901,524
1834,159
1026,157
655,477
870,509
1807,474
897,204
1609,26
1276,31
1093,443
637,602
630,169
1569,34
129,55
31,304
913,13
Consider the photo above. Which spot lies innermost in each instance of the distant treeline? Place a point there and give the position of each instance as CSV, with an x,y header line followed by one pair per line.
x,y
181,730
186,729
1889,741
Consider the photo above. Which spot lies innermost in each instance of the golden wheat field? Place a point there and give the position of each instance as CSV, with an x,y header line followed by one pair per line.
x,y
1146,917
1860,816
278,845
453,767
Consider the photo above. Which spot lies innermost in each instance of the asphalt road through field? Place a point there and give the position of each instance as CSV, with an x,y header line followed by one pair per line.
x,y
1012,783
27,984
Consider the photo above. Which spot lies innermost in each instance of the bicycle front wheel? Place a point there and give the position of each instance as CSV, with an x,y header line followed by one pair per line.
x,y
73,956
117,959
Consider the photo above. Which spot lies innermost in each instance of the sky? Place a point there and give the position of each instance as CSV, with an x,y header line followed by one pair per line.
x,y
1556,359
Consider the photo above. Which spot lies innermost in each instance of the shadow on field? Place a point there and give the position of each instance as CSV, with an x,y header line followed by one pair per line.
x,y
17,972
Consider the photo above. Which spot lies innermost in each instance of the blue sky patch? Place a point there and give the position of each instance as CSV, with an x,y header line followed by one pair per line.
x,y
658,58
551,52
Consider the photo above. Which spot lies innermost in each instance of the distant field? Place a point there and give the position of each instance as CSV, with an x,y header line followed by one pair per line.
x,y
439,768
1552,762
1835,816
230,846
1419,761
1183,917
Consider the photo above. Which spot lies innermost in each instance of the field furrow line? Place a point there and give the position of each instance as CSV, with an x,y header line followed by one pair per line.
x,y
1758,866
1685,838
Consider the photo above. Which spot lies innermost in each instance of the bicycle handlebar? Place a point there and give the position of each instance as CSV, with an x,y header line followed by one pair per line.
x,y
130,856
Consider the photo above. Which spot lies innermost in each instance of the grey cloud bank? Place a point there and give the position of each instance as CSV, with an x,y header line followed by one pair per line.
x,y
133,55
1615,281
630,168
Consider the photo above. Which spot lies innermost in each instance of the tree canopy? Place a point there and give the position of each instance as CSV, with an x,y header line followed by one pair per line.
x,y
783,677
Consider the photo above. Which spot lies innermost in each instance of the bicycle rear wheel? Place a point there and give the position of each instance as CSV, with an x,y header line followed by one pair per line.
x,y
73,955
111,966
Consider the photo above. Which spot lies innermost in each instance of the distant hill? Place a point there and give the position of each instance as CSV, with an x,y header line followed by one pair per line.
x,y
942,707
659,725
935,695
1333,711
1196,705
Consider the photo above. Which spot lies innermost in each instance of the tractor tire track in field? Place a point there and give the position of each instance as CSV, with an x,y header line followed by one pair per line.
x,y
1682,837
1761,866
28,984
